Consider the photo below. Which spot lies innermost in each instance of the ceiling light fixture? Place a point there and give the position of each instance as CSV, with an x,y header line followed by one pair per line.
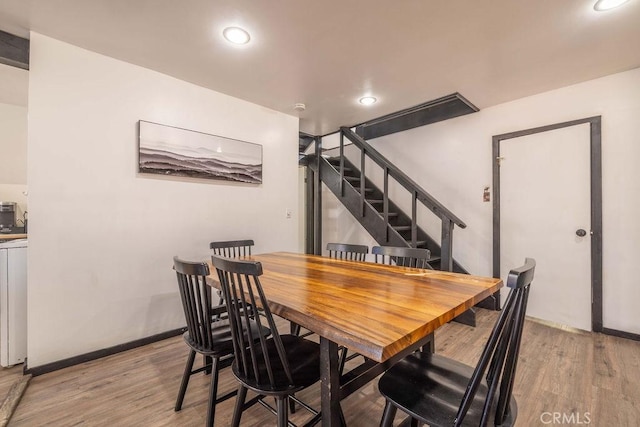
x,y
602,5
367,100
236,35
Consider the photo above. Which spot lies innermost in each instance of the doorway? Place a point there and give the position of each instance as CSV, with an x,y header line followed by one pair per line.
x,y
548,205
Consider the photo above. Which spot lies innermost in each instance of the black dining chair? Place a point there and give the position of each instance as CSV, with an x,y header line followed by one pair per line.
x,y
440,391
232,248
347,251
351,252
278,366
402,256
206,333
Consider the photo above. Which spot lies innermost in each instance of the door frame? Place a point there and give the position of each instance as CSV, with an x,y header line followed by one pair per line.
x,y
596,206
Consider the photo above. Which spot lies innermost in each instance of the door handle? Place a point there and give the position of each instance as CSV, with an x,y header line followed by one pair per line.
x,y
580,232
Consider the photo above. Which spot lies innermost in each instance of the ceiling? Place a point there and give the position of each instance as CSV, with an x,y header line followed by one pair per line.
x,y
326,54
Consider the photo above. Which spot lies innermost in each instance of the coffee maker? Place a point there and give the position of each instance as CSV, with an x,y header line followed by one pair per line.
x,y
7,216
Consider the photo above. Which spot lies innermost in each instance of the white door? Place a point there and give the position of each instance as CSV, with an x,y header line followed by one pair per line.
x,y
544,201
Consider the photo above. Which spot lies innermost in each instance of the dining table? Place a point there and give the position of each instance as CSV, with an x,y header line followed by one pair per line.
x,y
383,312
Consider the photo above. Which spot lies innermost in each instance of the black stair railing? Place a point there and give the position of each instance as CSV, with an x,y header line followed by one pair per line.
x,y
418,194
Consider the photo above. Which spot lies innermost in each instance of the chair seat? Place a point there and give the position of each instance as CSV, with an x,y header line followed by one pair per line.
x,y
430,387
304,363
221,340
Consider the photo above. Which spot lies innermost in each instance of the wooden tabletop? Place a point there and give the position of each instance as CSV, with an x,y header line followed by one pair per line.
x,y
12,236
373,309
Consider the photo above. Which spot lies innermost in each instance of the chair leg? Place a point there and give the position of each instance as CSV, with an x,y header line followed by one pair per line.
x,y
292,406
388,415
342,359
283,416
294,328
207,362
343,422
213,393
237,411
185,379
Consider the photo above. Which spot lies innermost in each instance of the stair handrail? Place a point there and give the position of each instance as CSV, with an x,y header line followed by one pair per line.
x,y
410,185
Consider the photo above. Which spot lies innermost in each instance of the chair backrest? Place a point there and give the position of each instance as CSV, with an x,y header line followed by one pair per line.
x,y
500,354
196,300
347,251
403,256
255,357
232,248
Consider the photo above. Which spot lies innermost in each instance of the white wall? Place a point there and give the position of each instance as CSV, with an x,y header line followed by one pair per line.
x,y
13,155
102,236
452,161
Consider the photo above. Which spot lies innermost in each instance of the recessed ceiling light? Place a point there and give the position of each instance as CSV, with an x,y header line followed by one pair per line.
x,y
608,4
367,100
236,35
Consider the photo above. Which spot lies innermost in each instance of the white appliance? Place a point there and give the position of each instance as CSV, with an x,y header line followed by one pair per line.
x,y
13,302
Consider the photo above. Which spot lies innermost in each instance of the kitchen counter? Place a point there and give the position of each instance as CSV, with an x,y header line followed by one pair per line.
x,y
12,236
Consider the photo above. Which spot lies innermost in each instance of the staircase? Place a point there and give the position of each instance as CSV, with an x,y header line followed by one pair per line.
x,y
395,228
379,215
383,219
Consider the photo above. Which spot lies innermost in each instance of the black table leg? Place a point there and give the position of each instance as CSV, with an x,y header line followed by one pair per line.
x,y
430,347
330,387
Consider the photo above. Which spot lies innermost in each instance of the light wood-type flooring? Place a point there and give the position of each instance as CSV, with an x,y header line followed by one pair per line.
x,y
7,377
589,379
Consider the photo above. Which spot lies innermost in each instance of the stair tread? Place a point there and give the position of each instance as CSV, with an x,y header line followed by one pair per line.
x,y
402,227
336,164
378,202
335,161
393,214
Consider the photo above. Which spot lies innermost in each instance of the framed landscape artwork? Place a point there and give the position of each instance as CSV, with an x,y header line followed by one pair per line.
x,y
168,150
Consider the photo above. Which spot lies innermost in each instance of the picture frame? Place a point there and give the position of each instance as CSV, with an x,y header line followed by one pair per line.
x,y
173,151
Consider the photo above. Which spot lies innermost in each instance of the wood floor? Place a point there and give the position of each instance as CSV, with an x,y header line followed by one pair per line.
x,y
588,378
7,377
